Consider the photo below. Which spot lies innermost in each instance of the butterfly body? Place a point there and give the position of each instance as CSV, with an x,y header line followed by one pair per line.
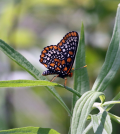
x,y
59,58
49,72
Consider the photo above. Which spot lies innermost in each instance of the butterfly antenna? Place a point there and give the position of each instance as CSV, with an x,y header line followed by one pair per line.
x,y
79,68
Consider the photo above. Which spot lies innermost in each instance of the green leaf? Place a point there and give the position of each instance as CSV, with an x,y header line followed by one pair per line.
x,y
102,98
29,83
102,123
29,130
81,111
20,60
114,117
26,83
25,64
87,128
111,102
117,97
81,81
112,59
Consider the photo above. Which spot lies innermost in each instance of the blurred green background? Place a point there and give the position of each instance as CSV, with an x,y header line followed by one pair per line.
x,y
29,26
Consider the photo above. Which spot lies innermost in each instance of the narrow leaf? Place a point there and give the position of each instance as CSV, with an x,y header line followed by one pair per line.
x,y
81,111
101,123
81,81
87,128
31,83
26,83
110,102
114,117
117,97
112,63
29,130
25,64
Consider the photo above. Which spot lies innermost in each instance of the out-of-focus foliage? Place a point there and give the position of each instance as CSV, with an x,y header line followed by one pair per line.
x,y
31,25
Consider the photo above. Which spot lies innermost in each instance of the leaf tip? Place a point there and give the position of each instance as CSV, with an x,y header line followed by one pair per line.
x,y
82,25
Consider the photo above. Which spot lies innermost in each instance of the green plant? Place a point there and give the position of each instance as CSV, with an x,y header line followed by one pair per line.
x,y
83,98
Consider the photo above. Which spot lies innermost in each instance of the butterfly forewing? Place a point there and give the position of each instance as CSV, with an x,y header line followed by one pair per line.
x,y
68,45
59,58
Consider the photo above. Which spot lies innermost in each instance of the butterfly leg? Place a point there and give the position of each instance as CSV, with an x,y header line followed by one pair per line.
x,y
65,82
54,78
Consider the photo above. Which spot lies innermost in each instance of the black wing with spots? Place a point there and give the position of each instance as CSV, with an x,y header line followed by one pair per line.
x,y
60,58
69,47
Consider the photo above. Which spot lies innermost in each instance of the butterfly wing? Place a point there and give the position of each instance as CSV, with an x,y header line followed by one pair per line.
x,y
51,58
59,58
68,46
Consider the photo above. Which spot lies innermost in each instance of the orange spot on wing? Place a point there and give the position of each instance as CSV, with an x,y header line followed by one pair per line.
x,y
55,47
57,69
47,48
59,49
56,60
65,69
51,47
65,38
70,52
60,44
69,34
41,60
63,62
45,65
42,55
63,41
69,69
75,34
44,51
72,33
69,59
52,64
58,64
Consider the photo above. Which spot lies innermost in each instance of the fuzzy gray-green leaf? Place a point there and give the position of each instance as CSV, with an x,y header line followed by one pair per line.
x,y
112,59
81,111
102,123
117,97
81,81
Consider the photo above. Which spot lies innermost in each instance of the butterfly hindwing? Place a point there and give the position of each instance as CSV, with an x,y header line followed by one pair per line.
x,y
50,57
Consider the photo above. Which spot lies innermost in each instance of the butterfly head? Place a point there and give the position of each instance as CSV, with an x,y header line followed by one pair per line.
x,y
70,74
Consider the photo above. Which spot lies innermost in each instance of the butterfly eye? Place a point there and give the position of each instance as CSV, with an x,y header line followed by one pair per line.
x,y
70,74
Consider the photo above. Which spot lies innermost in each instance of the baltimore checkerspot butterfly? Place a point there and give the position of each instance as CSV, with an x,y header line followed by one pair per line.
x,y
59,58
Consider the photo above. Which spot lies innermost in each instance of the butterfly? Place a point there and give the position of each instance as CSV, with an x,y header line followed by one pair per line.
x,y
59,59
